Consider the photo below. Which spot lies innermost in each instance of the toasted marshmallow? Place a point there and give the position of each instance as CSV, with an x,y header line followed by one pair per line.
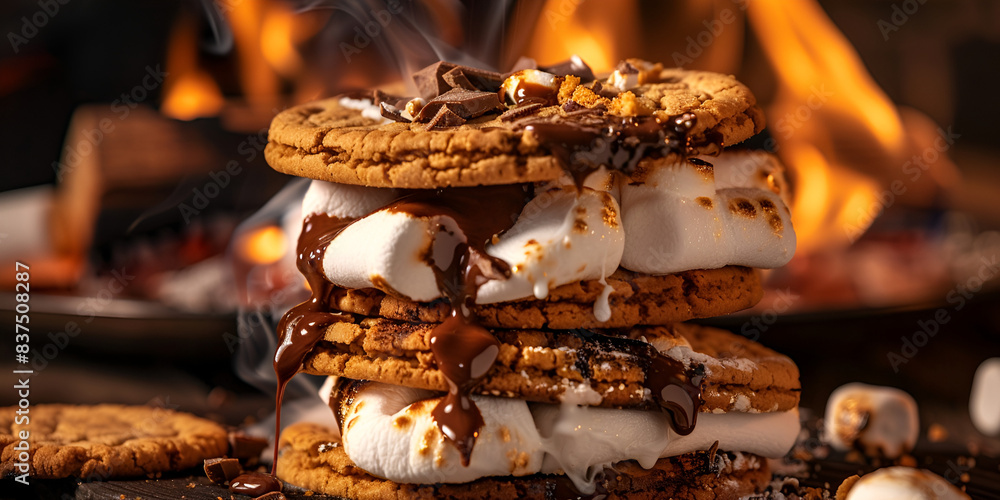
x,y
984,405
345,201
680,220
389,432
561,236
881,420
517,86
750,169
387,250
903,482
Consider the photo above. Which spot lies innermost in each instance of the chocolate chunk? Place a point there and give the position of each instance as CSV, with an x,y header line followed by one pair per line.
x,y
485,80
457,79
245,448
222,470
430,80
390,106
464,103
440,77
626,68
573,66
445,118
521,111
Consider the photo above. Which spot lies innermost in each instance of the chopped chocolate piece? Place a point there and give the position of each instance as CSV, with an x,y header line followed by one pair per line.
x,y
457,79
392,112
391,106
430,80
627,68
485,80
572,66
520,111
445,118
222,470
598,88
245,448
572,105
465,103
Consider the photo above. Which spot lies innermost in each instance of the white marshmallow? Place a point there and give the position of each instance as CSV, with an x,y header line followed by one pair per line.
x,y
512,86
388,436
903,483
678,220
366,106
386,248
345,201
752,169
547,438
984,400
879,419
560,237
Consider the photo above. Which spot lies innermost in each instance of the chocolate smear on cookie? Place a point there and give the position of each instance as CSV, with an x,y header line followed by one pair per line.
x,y
675,388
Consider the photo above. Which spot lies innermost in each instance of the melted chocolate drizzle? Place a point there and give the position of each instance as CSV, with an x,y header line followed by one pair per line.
x,y
588,139
676,389
303,325
255,484
463,350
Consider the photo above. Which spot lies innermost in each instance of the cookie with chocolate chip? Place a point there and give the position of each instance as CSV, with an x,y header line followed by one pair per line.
x,y
460,133
312,457
635,299
541,365
107,441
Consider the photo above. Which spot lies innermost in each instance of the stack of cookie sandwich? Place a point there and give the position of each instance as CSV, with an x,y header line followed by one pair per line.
x,y
500,269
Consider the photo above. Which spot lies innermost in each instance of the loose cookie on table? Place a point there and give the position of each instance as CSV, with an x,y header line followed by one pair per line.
x,y
109,441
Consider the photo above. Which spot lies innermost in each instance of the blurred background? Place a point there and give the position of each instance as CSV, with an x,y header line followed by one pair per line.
x,y
134,184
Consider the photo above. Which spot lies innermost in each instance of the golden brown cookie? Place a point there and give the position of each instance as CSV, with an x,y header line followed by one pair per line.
x,y
328,141
109,441
541,365
637,299
312,458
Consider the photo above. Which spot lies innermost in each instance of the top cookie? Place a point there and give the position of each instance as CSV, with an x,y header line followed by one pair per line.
x,y
479,128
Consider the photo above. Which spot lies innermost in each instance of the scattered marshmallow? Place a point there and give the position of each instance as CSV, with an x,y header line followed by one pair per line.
x,y
899,482
984,401
878,420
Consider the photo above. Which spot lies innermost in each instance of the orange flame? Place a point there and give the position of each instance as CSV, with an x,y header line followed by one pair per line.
x,y
189,92
266,34
831,120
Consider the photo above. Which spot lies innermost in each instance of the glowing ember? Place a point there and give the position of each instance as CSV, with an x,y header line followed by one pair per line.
x,y
263,246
